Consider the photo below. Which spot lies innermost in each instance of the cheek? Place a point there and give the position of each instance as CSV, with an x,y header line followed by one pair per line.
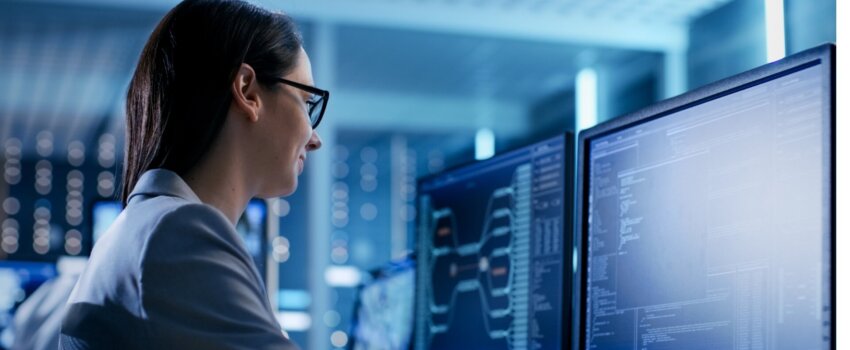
x,y
291,132
297,129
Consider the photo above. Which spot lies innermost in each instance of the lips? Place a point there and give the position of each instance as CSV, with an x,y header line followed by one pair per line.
x,y
301,160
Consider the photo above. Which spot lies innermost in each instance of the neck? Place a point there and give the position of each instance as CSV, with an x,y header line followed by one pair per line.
x,y
218,180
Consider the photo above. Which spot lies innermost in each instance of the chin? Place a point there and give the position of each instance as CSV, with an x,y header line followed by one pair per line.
x,y
283,188
288,190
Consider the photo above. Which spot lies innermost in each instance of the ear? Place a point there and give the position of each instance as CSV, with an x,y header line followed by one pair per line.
x,y
246,92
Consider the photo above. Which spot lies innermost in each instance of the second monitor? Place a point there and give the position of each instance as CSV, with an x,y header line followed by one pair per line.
x,y
708,219
493,237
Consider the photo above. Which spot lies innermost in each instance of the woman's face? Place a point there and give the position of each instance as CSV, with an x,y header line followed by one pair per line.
x,y
284,132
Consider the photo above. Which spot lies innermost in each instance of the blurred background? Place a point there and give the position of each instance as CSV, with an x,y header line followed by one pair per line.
x,y
417,86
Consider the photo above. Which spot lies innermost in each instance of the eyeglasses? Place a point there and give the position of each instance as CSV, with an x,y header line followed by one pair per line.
x,y
317,103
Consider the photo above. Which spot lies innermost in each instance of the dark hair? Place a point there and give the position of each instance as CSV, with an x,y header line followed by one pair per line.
x,y
180,93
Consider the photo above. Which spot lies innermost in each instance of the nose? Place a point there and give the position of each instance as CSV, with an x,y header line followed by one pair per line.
x,y
315,142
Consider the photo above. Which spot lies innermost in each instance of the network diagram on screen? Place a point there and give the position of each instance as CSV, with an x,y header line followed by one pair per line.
x,y
493,251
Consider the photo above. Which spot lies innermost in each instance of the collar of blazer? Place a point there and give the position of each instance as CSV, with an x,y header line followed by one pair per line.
x,y
162,182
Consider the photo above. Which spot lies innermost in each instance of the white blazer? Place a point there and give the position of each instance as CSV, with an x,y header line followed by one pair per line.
x,y
170,273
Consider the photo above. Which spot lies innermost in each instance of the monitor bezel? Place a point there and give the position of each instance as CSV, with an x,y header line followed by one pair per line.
x,y
823,54
567,295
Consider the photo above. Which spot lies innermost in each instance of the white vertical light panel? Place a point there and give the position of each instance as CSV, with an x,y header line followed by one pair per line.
x,y
586,99
774,20
675,72
398,172
320,203
485,144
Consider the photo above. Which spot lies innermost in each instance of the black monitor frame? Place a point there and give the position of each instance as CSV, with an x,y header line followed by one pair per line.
x,y
567,306
824,54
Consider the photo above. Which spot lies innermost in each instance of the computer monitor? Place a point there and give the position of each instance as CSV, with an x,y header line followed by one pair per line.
x,y
708,219
252,227
383,314
493,238
103,214
18,280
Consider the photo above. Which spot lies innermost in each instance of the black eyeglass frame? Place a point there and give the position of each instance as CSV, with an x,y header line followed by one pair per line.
x,y
324,94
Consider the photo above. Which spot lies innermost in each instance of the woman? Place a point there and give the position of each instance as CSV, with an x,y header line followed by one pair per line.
x,y
221,109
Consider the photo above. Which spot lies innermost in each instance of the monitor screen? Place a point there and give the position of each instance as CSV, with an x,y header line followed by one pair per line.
x,y
708,227
252,228
18,280
384,312
104,213
491,252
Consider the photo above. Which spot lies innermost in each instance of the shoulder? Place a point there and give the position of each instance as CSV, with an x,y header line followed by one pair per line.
x,y
192,248
190,228
192,217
